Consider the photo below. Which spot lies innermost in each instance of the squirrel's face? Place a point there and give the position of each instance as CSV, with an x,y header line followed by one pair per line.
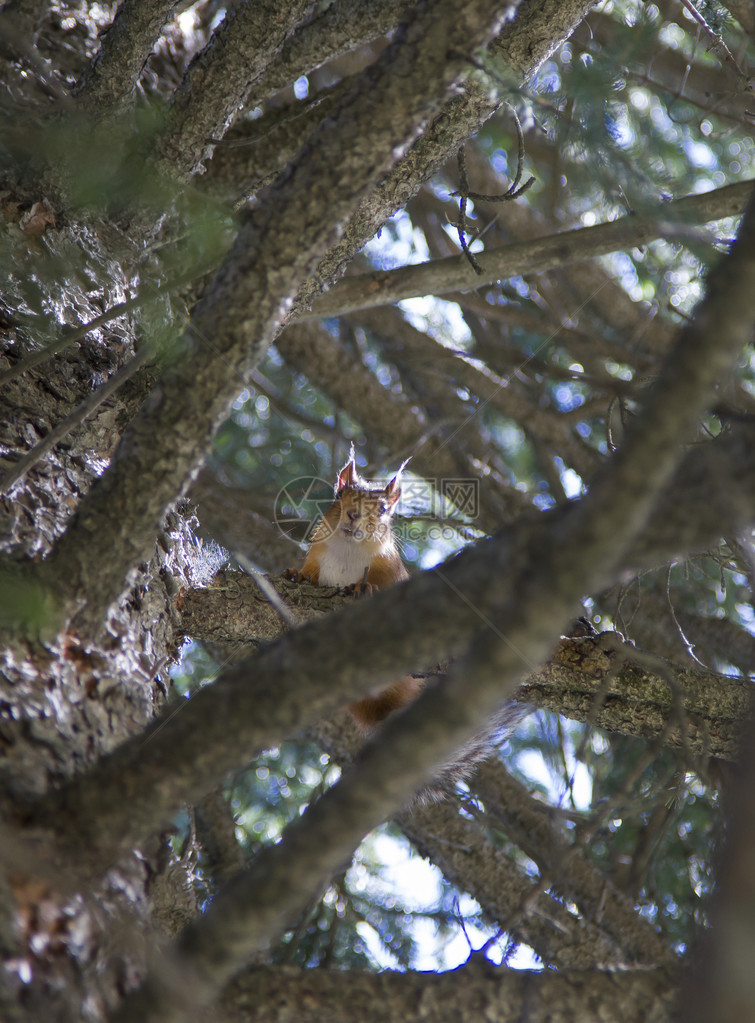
x,y
363,516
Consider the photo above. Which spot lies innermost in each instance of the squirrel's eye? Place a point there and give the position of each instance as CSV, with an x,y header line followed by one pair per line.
x,y
383,507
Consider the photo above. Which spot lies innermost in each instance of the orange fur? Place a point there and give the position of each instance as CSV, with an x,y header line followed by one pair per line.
x,y
354,544
373,709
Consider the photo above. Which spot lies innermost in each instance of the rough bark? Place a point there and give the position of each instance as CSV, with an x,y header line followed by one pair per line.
x,y
257,904
221,726
600,681
342,27
218,80
477,989
242,310
111,78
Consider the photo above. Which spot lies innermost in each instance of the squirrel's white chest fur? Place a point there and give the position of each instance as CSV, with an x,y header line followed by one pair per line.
x,y
344,560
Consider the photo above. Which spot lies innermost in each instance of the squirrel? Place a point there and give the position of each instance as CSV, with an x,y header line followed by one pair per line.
x,y
354,547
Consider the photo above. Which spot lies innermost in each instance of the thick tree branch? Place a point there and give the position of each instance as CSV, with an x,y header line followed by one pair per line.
x,y
497,995
261,701
538,30
342,27
441,276
275,251
253,152
414,743
606,687
111,78
459,845
218,80
588,679
251,155
525,41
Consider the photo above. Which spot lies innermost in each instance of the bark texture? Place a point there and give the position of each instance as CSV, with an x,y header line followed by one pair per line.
x,y
150,259
476,989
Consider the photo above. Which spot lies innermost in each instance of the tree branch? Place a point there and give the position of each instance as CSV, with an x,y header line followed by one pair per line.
x,y
584,681
587,679
342,27
218,79
539,27
240,313
259,702
442,276
111,77
496,995
412,744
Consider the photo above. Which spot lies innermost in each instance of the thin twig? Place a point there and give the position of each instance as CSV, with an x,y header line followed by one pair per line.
x,y
461,225
267,588
718,43
513,191
464,193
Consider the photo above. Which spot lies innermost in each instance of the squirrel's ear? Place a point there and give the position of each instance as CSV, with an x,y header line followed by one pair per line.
x,y
348,476
393,490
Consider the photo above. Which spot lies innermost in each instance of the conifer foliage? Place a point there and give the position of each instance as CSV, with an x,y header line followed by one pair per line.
x,y
512,243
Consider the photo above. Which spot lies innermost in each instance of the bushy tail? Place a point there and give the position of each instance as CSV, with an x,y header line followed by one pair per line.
x,y
481,746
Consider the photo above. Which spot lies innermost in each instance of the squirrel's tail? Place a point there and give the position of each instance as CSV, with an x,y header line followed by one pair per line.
x,y
480,747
